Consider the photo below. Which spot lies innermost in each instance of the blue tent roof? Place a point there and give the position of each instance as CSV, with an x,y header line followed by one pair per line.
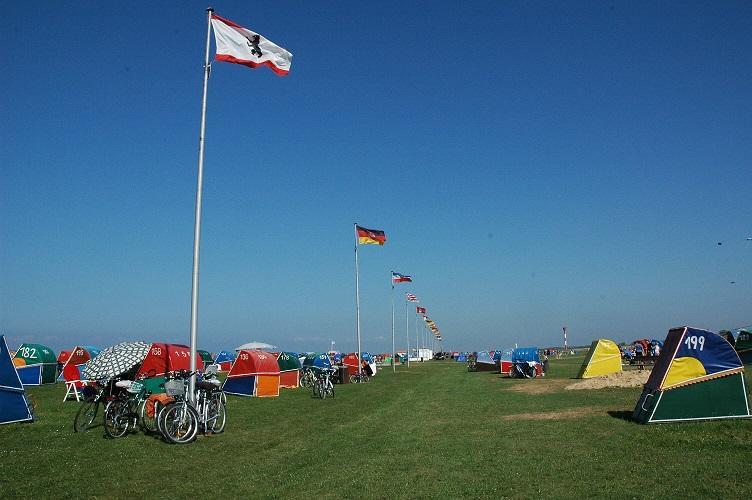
x,y
525,354
317,360
224,356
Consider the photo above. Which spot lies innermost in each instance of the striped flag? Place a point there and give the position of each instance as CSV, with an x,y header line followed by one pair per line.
x,y
370,236
401,278
411,298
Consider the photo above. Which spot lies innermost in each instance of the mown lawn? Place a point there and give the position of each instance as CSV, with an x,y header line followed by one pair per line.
x,y
431,431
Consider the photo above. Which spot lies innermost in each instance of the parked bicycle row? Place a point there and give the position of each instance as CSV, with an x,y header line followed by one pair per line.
x,y
165,410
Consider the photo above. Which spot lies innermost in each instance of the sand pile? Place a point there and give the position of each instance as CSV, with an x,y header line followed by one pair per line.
x,y
632,378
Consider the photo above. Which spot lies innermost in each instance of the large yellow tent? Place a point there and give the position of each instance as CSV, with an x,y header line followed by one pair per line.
x,y
604,358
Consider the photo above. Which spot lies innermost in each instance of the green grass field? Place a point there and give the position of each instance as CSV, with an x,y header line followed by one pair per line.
x,y
434,430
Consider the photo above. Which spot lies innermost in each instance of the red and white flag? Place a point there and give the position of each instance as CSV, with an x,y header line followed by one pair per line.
x,y
401,278
411,298
420,310
238,45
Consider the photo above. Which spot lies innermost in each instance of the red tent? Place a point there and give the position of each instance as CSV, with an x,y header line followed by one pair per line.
x,y
163,358
63,357
351,362
254,373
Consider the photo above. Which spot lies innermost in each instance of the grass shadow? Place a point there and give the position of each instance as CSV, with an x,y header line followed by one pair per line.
x,y
621,414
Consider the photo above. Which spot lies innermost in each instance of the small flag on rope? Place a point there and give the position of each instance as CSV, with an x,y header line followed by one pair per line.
x,y
238,45
411,298
420,310
370,236
401,278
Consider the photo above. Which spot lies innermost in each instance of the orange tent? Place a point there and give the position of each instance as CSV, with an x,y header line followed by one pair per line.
x,y
254,373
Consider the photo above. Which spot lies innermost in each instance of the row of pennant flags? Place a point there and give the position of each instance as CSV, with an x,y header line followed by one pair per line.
x,y
377,237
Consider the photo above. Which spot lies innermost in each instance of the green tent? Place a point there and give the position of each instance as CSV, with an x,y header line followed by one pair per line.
x,y
36,364
698,376
206,356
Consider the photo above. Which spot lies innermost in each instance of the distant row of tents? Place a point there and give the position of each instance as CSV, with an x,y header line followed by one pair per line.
x,y
250,372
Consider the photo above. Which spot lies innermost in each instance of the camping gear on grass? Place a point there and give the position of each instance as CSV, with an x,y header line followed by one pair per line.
x,y
604,358
254,373
36,364
698,376
13,404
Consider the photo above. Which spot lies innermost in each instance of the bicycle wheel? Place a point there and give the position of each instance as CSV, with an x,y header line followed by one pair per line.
x,y
85,416
216,418
180,423
116,418
331,390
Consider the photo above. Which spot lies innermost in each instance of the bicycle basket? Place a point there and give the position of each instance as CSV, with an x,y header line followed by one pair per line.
x,y
135,387
174,387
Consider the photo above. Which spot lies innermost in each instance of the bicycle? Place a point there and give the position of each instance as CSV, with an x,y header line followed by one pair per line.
x,y
127,409
211,402
323,386
95,394
180,421
359,378
308,378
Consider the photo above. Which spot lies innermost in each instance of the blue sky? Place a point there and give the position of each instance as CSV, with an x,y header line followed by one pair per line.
x,y
534,165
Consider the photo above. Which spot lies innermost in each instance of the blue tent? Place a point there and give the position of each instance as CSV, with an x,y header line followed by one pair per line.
x,y
526,354
461,358
484,362
317,360
225,357
503,355
13,404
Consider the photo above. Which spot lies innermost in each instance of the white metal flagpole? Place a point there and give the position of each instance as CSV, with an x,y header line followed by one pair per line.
x,y
197,225
417,345
357,292
394,366
407,325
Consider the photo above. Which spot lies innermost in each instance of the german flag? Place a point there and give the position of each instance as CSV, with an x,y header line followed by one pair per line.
x,y
370,236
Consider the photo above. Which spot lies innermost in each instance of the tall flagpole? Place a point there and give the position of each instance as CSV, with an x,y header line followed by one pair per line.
x,y
407,325
407,354
416,320
394,366
197,225
417,345
357,292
